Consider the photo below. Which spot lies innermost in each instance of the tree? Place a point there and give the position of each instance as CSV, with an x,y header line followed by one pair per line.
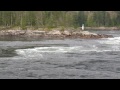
x,y
41,19
90,20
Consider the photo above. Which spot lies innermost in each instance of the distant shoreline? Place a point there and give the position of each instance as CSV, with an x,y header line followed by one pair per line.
x,y
61,28
102,28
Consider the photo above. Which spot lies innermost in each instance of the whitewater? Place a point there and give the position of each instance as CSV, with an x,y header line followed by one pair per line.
x,y
31,58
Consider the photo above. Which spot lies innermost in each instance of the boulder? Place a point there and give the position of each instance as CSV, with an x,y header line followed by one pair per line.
x,y
29,33
39,32
67,33
76,33
87,33
54,32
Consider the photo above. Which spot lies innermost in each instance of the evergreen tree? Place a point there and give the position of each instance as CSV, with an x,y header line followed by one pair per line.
x,y
40,19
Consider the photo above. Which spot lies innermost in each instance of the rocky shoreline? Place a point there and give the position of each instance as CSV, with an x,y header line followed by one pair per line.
x,y
53,34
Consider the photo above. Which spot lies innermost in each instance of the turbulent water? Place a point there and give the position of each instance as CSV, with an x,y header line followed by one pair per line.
x,y
33,58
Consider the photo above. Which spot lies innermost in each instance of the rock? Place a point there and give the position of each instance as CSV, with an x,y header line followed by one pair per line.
x,y
54,32
76,33
2,32
12,32
22,33
67,33
19,32
88,33
29,33
39,32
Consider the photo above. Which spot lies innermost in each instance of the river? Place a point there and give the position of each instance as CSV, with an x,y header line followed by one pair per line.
x,y
36,58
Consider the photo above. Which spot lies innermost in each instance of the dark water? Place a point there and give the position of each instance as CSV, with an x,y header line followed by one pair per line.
x,y
35,58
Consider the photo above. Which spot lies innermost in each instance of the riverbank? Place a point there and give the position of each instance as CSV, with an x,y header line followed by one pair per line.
x,y
102,28
59,28
55,33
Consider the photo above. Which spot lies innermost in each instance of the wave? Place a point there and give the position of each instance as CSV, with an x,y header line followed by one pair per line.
x,y
40,51
103,45
31,53
111,41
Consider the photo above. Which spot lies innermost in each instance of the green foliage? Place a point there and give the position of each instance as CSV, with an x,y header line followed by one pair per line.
x,y
54,19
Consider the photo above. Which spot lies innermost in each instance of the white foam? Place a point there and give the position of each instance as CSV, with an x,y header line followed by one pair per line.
x,y
31,53
111,41
39,51
47,49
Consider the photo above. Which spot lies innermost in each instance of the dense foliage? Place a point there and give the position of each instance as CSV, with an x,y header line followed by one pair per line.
x,y
40,19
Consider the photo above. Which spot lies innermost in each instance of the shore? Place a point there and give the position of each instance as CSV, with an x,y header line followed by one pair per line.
x,y
55,33
61,28
102,28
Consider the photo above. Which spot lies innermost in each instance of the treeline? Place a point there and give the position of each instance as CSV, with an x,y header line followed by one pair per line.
x,y
51,19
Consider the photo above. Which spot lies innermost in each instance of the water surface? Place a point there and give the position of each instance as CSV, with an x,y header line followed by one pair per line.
x,y
36,58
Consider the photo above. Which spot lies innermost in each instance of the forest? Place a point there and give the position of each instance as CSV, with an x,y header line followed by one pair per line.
x,y
53,19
